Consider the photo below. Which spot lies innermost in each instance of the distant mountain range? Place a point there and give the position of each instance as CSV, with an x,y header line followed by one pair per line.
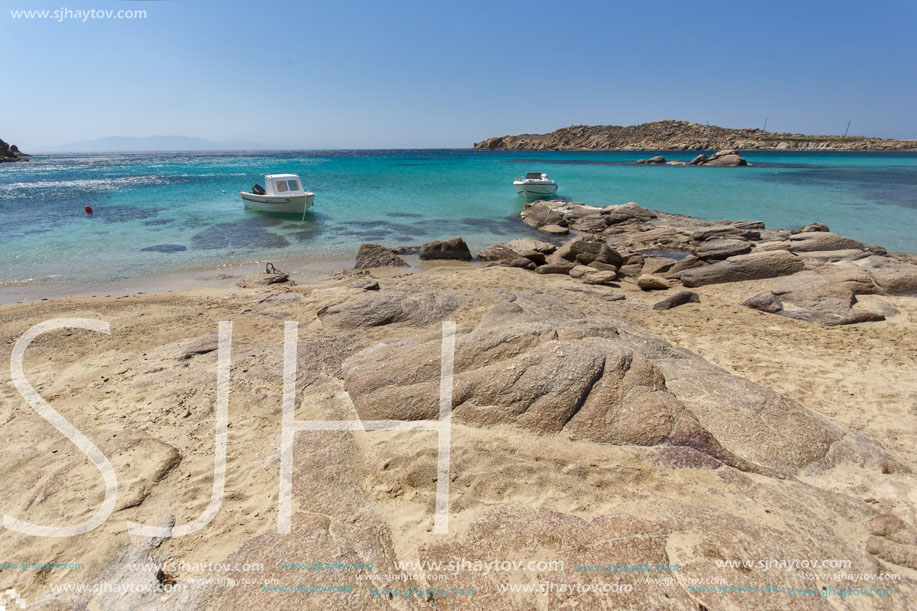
x,y
154,143
682,135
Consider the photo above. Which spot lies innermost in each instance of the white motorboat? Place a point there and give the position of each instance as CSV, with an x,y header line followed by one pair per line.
x,y
534,185
281,193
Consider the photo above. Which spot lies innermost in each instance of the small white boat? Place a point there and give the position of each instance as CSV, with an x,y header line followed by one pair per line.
x,y
281,193
535,184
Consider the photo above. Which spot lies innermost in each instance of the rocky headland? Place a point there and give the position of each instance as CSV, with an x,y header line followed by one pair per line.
x,y
682,135
11,152
634,388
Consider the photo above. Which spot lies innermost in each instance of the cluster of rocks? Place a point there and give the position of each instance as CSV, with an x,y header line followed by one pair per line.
x,y
659,251
11,152
592,261
681,136
725,159
376,255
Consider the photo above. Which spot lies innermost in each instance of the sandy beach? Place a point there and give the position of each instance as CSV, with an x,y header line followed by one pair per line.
x,y
736,436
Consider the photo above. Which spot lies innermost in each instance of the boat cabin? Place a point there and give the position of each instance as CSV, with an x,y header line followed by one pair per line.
x,y
534,176
282,184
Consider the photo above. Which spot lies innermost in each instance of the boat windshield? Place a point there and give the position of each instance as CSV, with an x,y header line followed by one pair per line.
x,y
293,184
533,175
281,186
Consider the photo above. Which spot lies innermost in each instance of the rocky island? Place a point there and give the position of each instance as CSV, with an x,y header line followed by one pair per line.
x,y
11,152
680,136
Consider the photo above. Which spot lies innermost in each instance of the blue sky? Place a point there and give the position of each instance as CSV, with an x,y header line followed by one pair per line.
x,y
342,74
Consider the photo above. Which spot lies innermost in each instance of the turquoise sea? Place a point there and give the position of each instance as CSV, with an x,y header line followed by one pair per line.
x,y
190,201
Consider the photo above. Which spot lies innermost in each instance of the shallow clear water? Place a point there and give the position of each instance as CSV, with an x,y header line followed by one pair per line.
x,y
191,201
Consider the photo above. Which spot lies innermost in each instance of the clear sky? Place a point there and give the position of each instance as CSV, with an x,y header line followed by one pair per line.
x,y
426,73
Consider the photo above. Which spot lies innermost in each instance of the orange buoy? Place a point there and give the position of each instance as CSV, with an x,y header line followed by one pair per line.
x,y
88,209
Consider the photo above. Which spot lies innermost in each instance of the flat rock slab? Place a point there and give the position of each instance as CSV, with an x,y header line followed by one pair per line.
x,y
830,256
413,309
599,277
822,240
579,271
753,266
523,245
627,213
603,267
198,345
826,311
554,229
825,296
722,248
657,265
560,267
679,298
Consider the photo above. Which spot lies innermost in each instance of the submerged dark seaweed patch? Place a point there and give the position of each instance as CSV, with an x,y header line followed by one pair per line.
x,y
248,234
895,186
122,214
167,248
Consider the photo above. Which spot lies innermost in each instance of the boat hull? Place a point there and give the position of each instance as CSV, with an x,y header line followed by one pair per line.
x,y
294,204
535,190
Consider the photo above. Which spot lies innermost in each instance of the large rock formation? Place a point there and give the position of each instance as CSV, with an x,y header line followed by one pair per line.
x,y
536,362
811,241
754,266
678,299
682,135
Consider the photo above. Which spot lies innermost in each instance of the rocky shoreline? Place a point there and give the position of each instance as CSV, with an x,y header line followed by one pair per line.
x,y
683,136
824,272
